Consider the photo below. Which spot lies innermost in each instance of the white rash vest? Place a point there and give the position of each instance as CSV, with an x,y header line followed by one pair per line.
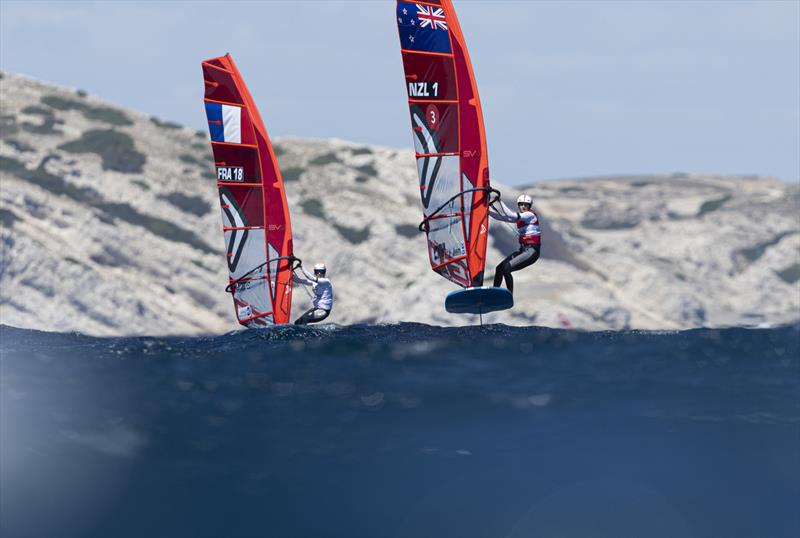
x,y
323,289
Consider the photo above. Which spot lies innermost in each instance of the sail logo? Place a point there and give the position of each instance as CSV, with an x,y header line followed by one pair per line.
x,y
244,311
230,173
423,89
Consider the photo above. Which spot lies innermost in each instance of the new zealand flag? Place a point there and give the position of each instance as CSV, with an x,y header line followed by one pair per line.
x,y
422,27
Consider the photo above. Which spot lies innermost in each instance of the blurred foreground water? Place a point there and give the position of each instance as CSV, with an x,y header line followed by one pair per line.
x,y
401,430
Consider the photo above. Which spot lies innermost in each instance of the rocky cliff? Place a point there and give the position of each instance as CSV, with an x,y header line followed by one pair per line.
x,y
111,226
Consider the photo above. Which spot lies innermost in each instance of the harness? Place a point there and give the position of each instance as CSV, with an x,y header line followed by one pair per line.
x,y
529,232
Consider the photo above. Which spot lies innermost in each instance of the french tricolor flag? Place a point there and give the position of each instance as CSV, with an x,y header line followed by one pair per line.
x,y
224,122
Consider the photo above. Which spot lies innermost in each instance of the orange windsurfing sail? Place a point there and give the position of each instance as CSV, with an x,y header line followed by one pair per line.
x,y
449,139
255,216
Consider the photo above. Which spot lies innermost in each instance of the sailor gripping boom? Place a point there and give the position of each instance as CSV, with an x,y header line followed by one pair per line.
x,y
322,298
530,239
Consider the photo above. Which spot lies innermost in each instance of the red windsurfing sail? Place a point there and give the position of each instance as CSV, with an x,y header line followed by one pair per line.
x,y
255,217
449,139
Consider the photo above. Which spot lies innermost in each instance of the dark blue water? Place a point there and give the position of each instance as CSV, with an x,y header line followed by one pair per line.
x,y
402,430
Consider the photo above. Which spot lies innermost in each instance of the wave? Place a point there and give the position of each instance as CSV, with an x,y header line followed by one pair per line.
x,y
401,430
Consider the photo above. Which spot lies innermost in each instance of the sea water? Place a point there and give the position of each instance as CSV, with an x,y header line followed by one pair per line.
x,y
402,430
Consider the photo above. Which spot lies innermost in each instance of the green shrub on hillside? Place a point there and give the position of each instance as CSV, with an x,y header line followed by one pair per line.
x,y
7,218
20,146
46,128
165,124
313,207
353,235
115,148
109,210
407,230
38,111
50,182
59,103
8,126
112,257
713,205
755,252
155,225
75,261
190,159
368,169
108,115
191,204
49,121
791,274
360,151
322,160
292,173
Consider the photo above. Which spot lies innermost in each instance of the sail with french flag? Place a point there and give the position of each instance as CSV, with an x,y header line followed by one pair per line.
x,y
255,215
224,122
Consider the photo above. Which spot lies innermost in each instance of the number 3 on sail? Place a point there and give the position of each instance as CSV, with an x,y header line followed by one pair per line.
x,y
450,145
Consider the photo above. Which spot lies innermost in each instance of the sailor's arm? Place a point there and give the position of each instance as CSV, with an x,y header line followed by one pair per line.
x,y
506,216
309,276
301,280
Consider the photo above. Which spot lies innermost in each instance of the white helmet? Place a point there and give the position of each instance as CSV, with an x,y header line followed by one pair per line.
x,y
524,199
320,268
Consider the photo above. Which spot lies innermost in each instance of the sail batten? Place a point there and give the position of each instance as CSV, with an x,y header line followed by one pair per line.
x,y
255,216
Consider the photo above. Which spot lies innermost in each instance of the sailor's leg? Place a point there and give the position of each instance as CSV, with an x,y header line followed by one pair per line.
x,y
498,275
509,280
319,314
306,318
502,269
524,257
315,315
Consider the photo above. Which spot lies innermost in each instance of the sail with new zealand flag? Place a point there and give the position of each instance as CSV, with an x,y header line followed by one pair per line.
x,y
449,139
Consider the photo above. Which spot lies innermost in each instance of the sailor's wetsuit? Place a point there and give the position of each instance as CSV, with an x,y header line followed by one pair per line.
x,y
530,243
323,298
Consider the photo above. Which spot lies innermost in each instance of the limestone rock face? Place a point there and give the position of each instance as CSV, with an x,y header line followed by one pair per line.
x,y
111,226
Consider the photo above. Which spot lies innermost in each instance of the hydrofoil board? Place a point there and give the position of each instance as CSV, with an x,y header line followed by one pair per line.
x,y
478,300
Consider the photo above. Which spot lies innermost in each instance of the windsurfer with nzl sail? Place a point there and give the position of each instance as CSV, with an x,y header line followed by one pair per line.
x,y
323,294
530,239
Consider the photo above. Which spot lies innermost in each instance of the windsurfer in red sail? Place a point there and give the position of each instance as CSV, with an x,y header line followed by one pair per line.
x,y
530,239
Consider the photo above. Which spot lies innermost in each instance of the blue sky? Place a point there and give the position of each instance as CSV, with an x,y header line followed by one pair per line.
x,y
569,89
